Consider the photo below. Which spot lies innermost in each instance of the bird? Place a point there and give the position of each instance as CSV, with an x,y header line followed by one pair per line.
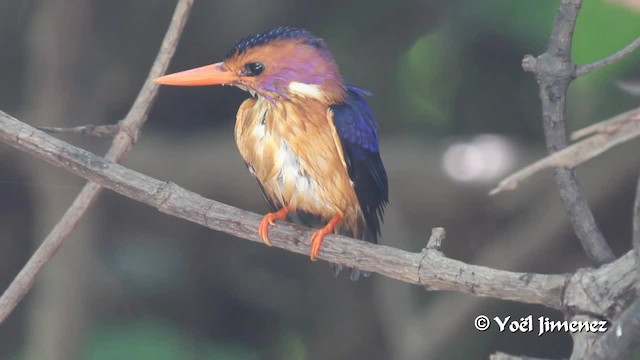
x,y
308,138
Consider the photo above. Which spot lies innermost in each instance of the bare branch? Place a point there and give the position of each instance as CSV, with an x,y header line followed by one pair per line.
x,y
122,143
609,126
554,70
603,290
587,68
90,130
603,136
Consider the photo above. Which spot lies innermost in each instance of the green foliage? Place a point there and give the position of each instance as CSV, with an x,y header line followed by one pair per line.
x,y
602,29
155,340
521,20
443,76
291,347
427,79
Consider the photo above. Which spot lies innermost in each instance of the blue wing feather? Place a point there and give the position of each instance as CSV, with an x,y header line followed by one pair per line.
x,y
357,130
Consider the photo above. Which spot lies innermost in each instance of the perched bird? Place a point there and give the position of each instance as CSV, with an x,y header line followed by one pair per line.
x,y
307,137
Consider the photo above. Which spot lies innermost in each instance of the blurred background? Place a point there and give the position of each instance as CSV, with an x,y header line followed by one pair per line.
x,y
455,111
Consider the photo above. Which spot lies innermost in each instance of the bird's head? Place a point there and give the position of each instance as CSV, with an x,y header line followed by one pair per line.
x,y
281,64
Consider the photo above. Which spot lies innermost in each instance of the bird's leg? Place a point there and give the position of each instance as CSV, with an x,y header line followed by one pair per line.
x,y
270,219
318,236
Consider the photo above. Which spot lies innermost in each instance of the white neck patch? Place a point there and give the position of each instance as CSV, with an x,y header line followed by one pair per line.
x,y
306,90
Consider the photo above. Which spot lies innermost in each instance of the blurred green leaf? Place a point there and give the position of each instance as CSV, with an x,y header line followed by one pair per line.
x,y
156,340
602,29
143,340
291,347
521,20
226,351
427,78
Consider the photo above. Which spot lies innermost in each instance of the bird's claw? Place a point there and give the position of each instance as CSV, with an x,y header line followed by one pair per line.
x,y
269,219
316,242
318,236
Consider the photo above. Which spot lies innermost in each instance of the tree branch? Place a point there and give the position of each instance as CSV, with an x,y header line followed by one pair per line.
x,y
609,126
90,130
604,290
602,136
587,68
122,143
554,70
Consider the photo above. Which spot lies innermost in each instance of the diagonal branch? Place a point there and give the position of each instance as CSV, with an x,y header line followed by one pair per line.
x,y
601,137
587,68
554,70
609,126
599,290
122,143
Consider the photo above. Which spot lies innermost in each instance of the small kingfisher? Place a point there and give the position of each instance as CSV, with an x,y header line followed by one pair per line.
x,y
306,136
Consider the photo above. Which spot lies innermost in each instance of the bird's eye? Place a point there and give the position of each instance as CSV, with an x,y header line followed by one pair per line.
x,y
253,69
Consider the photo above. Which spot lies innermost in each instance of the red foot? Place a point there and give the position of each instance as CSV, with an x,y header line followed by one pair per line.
x,y
318,236
269,219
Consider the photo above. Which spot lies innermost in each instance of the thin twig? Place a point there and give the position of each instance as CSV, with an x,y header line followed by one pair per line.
x,y
554,70
602,136
122,143
587,68
610,125
598,291
90,130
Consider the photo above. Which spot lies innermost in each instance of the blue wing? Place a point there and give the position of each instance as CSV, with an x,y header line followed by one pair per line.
x,y
356,128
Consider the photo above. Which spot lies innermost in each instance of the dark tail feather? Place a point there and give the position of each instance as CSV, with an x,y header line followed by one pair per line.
x,y
355,273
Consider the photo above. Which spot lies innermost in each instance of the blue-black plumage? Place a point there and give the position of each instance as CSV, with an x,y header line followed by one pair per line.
x,y
356,127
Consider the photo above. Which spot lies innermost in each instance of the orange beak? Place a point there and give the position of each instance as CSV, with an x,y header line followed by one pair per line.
x,y
214,74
